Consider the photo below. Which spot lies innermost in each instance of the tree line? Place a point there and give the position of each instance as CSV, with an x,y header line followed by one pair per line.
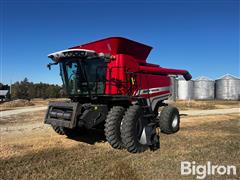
x,y
4,87
29,90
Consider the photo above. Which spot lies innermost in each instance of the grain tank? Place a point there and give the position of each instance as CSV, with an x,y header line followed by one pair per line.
x,y
228,88
184,89
203,88
173,89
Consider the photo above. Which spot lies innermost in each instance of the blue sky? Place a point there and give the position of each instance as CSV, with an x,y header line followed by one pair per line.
x,y
200,36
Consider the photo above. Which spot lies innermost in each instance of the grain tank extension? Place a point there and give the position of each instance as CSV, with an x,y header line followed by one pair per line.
x,y
112,87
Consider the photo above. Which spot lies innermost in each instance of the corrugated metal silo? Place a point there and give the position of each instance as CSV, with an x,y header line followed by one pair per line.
x,y
184,89
203,88
228,88
173,89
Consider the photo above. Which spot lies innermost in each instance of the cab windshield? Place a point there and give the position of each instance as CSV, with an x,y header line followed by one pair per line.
x,y
83,76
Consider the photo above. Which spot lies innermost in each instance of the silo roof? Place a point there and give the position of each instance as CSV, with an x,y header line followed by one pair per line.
x,y
227,77
203,78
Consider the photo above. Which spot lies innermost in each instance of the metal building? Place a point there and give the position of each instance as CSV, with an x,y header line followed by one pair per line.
x,y
4,95
203,88
184,89
228,88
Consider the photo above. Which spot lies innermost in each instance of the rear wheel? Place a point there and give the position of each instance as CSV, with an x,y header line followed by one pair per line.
x,y
112,126
169,120
132,130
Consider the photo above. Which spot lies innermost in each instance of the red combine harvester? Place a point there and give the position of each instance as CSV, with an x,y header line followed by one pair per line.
x,y
111,85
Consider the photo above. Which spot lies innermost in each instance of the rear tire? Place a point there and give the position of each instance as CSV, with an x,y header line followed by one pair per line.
x,y
112,126
169,120
131,129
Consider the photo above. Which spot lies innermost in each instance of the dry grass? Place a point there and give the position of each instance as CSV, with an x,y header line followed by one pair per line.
x,y
10,105
42,154
44,102
14,104
182,105
23,118
214,104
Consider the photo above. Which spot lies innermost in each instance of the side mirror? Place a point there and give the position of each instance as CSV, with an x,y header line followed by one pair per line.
x,y
50,64
107,57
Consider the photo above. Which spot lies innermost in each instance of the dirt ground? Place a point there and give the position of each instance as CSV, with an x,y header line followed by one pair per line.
x,y
205,104
36,102
31,150
182,105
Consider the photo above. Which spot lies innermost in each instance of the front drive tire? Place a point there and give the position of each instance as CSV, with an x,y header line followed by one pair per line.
x,y
58,130
112,126
169,120
132,128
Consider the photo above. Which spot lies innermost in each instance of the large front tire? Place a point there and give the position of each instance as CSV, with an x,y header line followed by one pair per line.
x,y
58,130
169,120
112,126
132,128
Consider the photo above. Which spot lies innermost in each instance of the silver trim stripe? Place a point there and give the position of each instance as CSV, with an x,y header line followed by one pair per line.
x,y
153,90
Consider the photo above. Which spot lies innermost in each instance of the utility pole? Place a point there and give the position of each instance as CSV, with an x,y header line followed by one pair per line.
x,y
10,89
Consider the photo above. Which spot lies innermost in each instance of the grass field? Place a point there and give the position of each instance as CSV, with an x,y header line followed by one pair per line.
x,y
32,152
205,104
19,103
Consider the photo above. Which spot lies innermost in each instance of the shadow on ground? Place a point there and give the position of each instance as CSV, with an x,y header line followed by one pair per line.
x,y
90,136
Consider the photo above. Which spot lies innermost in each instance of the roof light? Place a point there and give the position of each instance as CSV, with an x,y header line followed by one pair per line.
x,y
71,53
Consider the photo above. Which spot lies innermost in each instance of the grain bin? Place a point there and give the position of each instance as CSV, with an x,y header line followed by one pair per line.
x,y
228,88
173,89
203,88
184,89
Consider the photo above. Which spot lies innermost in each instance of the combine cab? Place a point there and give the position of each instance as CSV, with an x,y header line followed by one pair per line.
x,y
111,85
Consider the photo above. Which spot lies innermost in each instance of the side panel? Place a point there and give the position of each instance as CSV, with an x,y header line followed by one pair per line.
x,y
117,74
123,77
155,88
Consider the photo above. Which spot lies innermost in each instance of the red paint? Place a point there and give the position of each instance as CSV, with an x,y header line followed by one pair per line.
x,y
159,70
130,56
118,45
